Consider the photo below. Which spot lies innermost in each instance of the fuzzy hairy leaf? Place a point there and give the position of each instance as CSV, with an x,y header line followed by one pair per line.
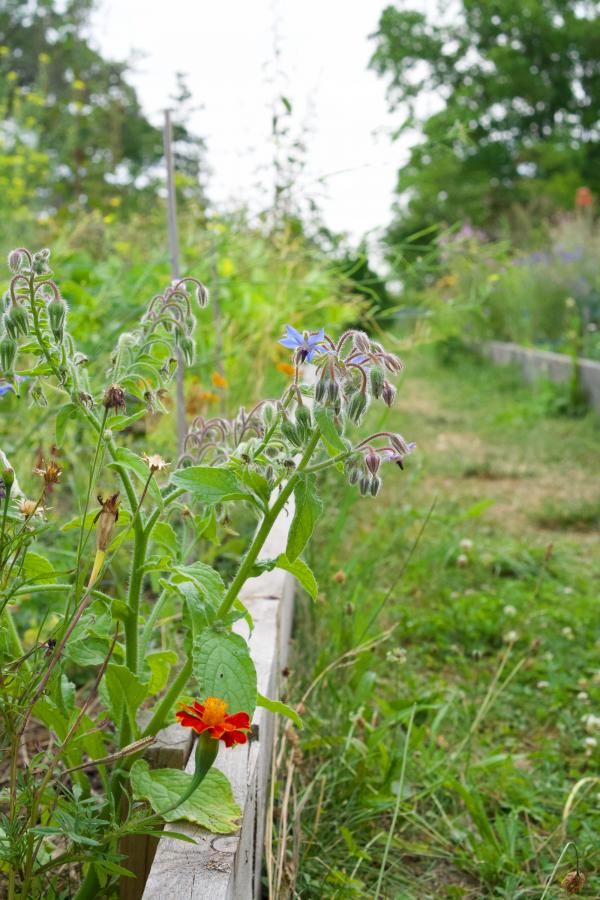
x,y
223,668
308,509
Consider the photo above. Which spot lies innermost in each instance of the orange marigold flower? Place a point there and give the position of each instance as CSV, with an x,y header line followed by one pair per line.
x,y
211,716
286,368
219,380
583,198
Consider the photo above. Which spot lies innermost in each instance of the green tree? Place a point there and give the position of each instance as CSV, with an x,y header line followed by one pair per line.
x,y
516,84
61,96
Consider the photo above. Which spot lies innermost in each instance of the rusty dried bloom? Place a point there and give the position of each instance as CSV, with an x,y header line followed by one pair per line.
x,y
50,472
106,519
155,462
573,882
114,398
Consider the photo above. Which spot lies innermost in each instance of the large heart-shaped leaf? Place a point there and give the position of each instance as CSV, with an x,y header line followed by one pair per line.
x,y
209,484
223,668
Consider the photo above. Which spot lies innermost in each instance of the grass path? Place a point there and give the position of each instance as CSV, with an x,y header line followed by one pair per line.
x,y
452,659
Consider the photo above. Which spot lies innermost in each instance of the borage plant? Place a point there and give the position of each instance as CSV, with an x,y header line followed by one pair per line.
x,y
114,659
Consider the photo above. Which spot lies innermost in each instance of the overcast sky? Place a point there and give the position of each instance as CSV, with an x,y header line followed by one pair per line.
x,y
226,48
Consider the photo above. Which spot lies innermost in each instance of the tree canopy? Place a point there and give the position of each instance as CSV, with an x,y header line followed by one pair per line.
x,y
516,86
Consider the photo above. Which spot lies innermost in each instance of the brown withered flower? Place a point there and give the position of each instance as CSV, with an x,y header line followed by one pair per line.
x,y
29,508
114,398
573,882
107,518
155,462
50,472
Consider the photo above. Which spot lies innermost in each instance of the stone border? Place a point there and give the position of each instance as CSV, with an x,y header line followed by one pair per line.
x,y
542,363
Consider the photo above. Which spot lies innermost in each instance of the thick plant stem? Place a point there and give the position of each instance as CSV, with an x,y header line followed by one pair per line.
x,y
263,532
135,588
158,719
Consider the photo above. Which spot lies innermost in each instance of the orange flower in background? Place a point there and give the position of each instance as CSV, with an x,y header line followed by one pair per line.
x,y
583,198
219,380
211,716
286,368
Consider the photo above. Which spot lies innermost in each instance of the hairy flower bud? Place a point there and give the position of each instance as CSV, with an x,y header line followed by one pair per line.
x,y
57,314
188,349
353,473
303,417
377,379
362,342
16,321
392,363
7,479
399,444
321,389
15,259
375,485
357,406
267,413
8,353
333,390
388,393
372,461
39,263
365,485
289,431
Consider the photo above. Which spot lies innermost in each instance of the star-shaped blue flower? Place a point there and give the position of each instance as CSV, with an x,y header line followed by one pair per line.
x,y
305,344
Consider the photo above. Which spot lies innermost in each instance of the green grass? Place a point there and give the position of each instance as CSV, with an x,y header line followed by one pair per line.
x,y
443,697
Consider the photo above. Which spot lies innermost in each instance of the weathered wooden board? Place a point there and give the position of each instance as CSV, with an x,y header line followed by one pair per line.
x,y
228,867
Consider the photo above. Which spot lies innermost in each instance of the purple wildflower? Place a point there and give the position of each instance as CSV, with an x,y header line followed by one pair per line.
x,y
305,345
6,387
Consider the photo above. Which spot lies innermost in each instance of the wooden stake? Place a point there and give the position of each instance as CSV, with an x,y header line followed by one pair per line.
x,y
175,274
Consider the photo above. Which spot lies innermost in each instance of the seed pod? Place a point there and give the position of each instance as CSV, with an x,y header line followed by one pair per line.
x,y
188,349
375,485
57,314
357,407
8,353
377,379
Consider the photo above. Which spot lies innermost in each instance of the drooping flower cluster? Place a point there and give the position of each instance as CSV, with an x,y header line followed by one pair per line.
x,y
215,440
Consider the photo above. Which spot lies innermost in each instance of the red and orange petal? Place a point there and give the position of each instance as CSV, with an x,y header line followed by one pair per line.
x,y
229,729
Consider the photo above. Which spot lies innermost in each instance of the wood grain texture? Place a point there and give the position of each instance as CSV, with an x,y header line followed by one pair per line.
x,y
228,867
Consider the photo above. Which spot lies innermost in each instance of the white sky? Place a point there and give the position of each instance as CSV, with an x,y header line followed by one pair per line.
x,y
226,48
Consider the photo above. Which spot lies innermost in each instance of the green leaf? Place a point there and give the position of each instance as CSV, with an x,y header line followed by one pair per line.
x,y
308,509
163,534
37,568
329,433
122,690
277,706
256,482
127,459
223,668
160,665
300,570
118,423
211,806
209,484
65,413
124,519
87,651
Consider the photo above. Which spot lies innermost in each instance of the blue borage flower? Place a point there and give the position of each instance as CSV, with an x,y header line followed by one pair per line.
x,y
305,345
5,388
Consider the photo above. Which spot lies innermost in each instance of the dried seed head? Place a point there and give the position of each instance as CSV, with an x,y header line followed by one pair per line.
x,y
50,472
155,462
573,882
114,398
106,520
28,508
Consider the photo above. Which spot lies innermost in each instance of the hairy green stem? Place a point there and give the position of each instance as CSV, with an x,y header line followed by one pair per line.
x,y
162,711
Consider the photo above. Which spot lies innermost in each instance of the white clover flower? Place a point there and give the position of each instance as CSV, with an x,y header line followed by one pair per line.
x,y
462,560
568,590
583,697
542,685
590,742
510,610
466,545
591,723
568,632
510,637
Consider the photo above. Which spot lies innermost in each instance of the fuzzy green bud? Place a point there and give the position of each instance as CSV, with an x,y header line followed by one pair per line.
x,y
303,417
375,485
14,261
57,313
39,262
8,353
321,389
17,316
8,479
267,413
357,406
377,379
365,485
188,349
289,431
